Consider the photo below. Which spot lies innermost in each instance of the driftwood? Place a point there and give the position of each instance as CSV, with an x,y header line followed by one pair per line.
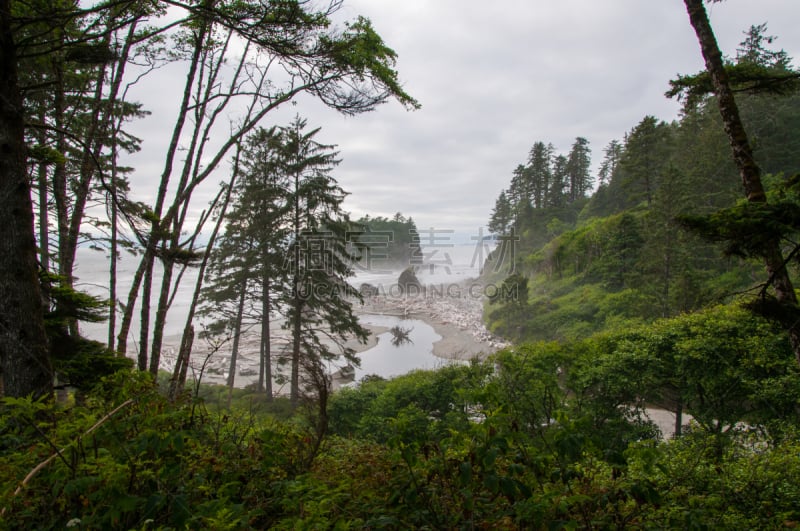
x,y
400,335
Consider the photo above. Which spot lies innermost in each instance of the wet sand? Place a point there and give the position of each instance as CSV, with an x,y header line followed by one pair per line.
x,y
456,319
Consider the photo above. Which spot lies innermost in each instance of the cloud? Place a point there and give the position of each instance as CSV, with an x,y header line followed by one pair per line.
x,y
495,77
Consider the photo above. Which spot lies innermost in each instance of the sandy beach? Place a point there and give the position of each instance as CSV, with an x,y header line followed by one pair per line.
x,y
455,316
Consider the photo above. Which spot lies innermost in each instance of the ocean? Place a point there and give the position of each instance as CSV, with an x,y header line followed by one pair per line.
x,y
443,266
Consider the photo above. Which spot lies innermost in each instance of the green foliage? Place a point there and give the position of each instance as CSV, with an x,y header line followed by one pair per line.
x,y
510,306
541,435
384,243
544,448
78,361
501,217
421,404
723,366
46,155
748,486
756,70
665,230
151,463
359,50
348,406
747,227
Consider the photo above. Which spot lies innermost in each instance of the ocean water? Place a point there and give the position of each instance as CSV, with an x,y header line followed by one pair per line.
x,y
442,266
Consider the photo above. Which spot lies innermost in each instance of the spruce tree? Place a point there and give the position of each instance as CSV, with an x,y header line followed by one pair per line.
x,y
540,172
501,217
559,189
644,158
785,305
611,156
579,162
245,267
318,298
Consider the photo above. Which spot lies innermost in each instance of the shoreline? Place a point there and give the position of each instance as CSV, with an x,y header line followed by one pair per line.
x,y
457,319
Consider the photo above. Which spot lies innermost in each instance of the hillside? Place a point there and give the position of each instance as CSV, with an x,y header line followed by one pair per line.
x,y
624,254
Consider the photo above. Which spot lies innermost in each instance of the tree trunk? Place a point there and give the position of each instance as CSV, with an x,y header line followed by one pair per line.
x,y
24,357
297,301
237,334
130,305
144,318
178,379
114,213
153,238
191,168
44,211
161,317
102,114
179,373
745,162
80,187
182,365
60,193
294,380
114,249
265,361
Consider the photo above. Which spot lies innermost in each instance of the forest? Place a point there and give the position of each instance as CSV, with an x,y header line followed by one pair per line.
x,y
663,283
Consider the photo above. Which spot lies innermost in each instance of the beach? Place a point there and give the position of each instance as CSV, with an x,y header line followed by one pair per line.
x,y
450,302
455,315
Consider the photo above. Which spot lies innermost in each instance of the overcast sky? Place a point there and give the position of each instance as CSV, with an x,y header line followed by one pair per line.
x,y
495,77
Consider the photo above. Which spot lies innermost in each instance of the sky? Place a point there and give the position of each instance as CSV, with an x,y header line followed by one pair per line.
x,y
492,79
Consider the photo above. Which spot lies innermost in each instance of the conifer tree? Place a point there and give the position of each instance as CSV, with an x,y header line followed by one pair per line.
x,y
787,310
559,189
540,172
318,298
579,162
519,192
500,220
644,158
611,156
246,263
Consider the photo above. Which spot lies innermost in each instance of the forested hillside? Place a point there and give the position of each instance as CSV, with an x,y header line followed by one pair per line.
x,y
621,254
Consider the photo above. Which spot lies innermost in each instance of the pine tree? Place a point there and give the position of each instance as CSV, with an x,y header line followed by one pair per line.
x,y
519,192
318,298
500,220
246,263
753,50
579,162
540,173
644,158
611,156
263,201
558,194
